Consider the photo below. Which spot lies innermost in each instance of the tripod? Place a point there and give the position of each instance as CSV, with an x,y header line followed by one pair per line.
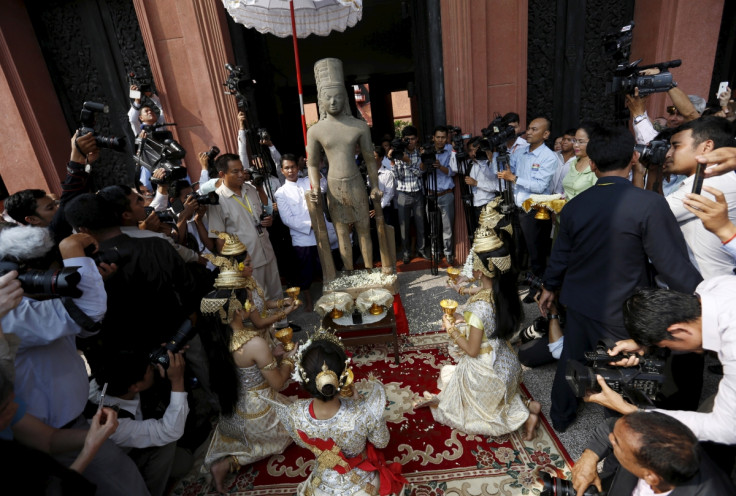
x,y
262,159
430,186
463,169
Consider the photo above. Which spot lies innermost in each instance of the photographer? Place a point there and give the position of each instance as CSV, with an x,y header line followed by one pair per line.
x,y
133,222
148,113
482,178
705,320
607,235
442,191
51,377
691,139
686,108
153,441
264,141
655,454
190,222
406,162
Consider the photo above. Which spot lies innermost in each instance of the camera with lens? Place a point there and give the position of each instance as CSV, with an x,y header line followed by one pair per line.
x,y
238,83
429,154
398,145
534,282
457,142
497,133
554,486
159,150
142,81
263,134
208,199
640,384
212,153
165,216
87,119
654,152
54,282
159,356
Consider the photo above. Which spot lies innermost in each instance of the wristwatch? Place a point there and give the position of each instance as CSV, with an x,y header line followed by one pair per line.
x,y
639,118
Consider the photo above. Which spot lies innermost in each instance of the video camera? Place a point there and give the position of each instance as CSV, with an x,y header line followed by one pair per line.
x,y
429,155
142,81
54,282
159,150
654,152
398,145
159,356
626,76
457,142
238,83
87,119
640,384
496,134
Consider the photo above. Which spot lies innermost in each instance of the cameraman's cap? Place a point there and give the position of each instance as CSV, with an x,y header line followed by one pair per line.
x,y
328,73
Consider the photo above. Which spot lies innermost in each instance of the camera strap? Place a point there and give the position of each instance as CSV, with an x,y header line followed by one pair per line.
x,y
79,317
249,208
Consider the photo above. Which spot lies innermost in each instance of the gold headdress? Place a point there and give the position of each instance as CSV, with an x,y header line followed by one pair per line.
x,y
231,275
486,240
327,376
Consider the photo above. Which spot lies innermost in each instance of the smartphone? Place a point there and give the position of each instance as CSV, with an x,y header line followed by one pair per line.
x,y
102,398
698,181
721,88
135,94
177,206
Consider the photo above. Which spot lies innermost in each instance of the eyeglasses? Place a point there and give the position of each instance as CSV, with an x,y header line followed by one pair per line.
x,y
672,110
579,142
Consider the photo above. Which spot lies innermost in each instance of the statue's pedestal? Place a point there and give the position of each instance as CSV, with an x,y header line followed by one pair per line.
x,y
355,282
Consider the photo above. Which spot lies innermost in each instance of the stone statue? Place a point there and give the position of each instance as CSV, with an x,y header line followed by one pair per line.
x,y
338,133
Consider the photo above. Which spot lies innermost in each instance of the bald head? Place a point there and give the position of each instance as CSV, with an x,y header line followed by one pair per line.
x,y
537,132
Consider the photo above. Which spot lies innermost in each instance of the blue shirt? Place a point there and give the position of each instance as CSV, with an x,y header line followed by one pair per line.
x,y
444,181
534,171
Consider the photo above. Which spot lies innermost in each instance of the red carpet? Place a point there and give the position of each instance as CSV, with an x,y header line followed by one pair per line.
x,y
436,460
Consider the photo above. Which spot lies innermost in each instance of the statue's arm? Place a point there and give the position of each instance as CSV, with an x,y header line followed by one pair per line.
x,y
313,159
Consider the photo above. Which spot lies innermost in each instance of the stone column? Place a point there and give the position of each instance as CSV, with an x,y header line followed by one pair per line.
x,y
485,57
34,144
188,44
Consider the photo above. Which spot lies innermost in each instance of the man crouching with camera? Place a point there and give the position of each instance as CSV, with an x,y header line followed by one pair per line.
x,y
58,306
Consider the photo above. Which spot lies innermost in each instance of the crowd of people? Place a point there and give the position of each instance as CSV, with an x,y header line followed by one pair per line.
x,y
635,256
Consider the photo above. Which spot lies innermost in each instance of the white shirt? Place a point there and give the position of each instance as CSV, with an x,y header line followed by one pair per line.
x,y
644,131
719,335
50,375
644,489
139,433
705,249
295,213
387,184
560,173
484,172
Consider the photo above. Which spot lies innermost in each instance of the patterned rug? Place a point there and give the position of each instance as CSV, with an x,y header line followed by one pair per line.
x,y
436,459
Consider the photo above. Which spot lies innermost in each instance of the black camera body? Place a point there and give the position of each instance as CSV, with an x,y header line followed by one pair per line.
x,y
496,134
626,78
653,153
159,150
166,217
640,384
54,282
87,120
208,199
398,145
429,154
238,83
211,154
554,486
159,356
457,142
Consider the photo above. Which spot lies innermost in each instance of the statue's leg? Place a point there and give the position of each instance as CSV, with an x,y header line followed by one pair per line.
x,y
346,249
363,229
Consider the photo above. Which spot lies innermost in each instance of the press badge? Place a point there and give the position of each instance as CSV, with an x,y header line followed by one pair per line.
x,y
535,166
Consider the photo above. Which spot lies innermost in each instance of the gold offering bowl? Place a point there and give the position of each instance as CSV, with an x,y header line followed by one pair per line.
x,y
284,335
376,309
347,389
336,313
449,307
453,273
294,294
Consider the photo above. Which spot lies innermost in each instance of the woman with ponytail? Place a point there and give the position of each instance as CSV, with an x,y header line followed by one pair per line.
x,y
480,394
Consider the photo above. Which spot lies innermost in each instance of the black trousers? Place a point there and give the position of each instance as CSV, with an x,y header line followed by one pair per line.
x,y
537,239
581,334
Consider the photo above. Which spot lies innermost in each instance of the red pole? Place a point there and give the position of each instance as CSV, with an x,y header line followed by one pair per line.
x,y
298,72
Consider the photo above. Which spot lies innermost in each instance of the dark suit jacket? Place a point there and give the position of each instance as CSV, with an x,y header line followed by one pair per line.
x,y
709,480
607,234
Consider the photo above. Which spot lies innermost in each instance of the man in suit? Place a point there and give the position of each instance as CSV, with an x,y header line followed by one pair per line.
x,y
656,453
607,234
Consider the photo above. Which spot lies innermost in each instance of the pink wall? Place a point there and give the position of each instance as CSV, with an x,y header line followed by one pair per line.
x,y
678,29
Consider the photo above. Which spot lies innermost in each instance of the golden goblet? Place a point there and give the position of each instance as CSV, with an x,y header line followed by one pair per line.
x,y
542,212
336,313
347,389
453,273
375,309
284,335
294,294
449,307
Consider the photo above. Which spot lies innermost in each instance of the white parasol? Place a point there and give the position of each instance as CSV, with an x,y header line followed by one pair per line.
x,y
297,18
